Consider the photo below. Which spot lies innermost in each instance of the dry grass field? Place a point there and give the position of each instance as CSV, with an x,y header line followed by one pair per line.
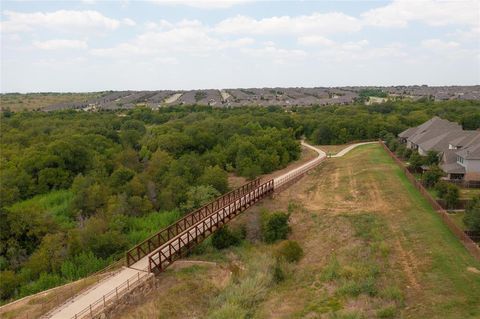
x,y
373,248
34,101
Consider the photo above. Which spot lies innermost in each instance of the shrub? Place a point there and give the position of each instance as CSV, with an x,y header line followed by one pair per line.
x,y
400,150
407,153
275,226
8,284
289,250
472,215
224,238
441,188
415,160
452,196
432,158
387,312
431,177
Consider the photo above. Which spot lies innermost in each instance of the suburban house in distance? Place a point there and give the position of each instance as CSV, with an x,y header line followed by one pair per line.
x,y
459,149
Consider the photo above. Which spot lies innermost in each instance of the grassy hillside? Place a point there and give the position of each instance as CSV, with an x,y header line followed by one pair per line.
x,y
34,101
373,249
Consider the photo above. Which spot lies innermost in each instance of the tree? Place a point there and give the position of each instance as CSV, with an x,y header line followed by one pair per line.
x,y
400,150
432,158
441,188
224,238
121,177
415,161
431,177
49,256
406,153
216,177
472,215
197,196
451,196
275,226
89,196
8,284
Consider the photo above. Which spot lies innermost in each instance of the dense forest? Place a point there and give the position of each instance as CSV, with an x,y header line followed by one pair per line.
x,y
78,189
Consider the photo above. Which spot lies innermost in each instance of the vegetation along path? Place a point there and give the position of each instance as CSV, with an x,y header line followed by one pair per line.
x,y
138,270
373,248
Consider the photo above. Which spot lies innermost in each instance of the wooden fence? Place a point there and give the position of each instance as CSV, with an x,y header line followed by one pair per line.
x,y
469,244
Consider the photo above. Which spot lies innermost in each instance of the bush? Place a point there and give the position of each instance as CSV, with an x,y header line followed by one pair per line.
x,y
407,153
289,250
8,284
431,177
441,188
448,192
224,238
415,160
472,215
432,158
400,150
275,226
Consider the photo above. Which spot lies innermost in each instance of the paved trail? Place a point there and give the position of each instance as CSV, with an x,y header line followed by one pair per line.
x,y
96,292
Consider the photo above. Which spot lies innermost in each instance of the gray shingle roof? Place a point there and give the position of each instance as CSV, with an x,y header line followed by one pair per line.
x,y
449,163
464,139
432,128
441,141
408,132
471,150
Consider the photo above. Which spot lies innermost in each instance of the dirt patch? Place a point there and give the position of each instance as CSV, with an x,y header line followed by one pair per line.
x,y
473,269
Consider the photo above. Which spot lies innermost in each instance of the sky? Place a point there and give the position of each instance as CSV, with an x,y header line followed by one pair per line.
x,y
94,45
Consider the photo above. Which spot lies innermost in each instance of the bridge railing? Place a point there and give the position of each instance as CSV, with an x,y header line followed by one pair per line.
x,y
150,244
178,246
297,173
112,296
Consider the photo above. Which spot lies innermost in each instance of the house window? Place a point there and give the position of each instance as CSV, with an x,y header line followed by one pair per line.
x,y
456,176
460,159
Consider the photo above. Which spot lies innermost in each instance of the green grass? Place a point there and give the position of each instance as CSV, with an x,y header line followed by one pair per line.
x,y
56,203
469,193
140,228
454,290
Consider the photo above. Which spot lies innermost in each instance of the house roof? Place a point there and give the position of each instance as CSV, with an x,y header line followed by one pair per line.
x,y
471,150
453,168
465,138
432,128
440,142
449,163
408,132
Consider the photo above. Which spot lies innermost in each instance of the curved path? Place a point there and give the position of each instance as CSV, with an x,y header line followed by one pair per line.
x,y
105,291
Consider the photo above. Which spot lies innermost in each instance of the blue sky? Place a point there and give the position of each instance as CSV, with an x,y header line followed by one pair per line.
x,y
160,44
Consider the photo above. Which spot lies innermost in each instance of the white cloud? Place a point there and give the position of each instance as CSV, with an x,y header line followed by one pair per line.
x,y
63,20
186,36
277,55
318,23
314,40
58,44
129,22
437,44
435,13
202,4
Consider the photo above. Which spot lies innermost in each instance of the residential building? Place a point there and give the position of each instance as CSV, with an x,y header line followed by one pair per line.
x,y
459,149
